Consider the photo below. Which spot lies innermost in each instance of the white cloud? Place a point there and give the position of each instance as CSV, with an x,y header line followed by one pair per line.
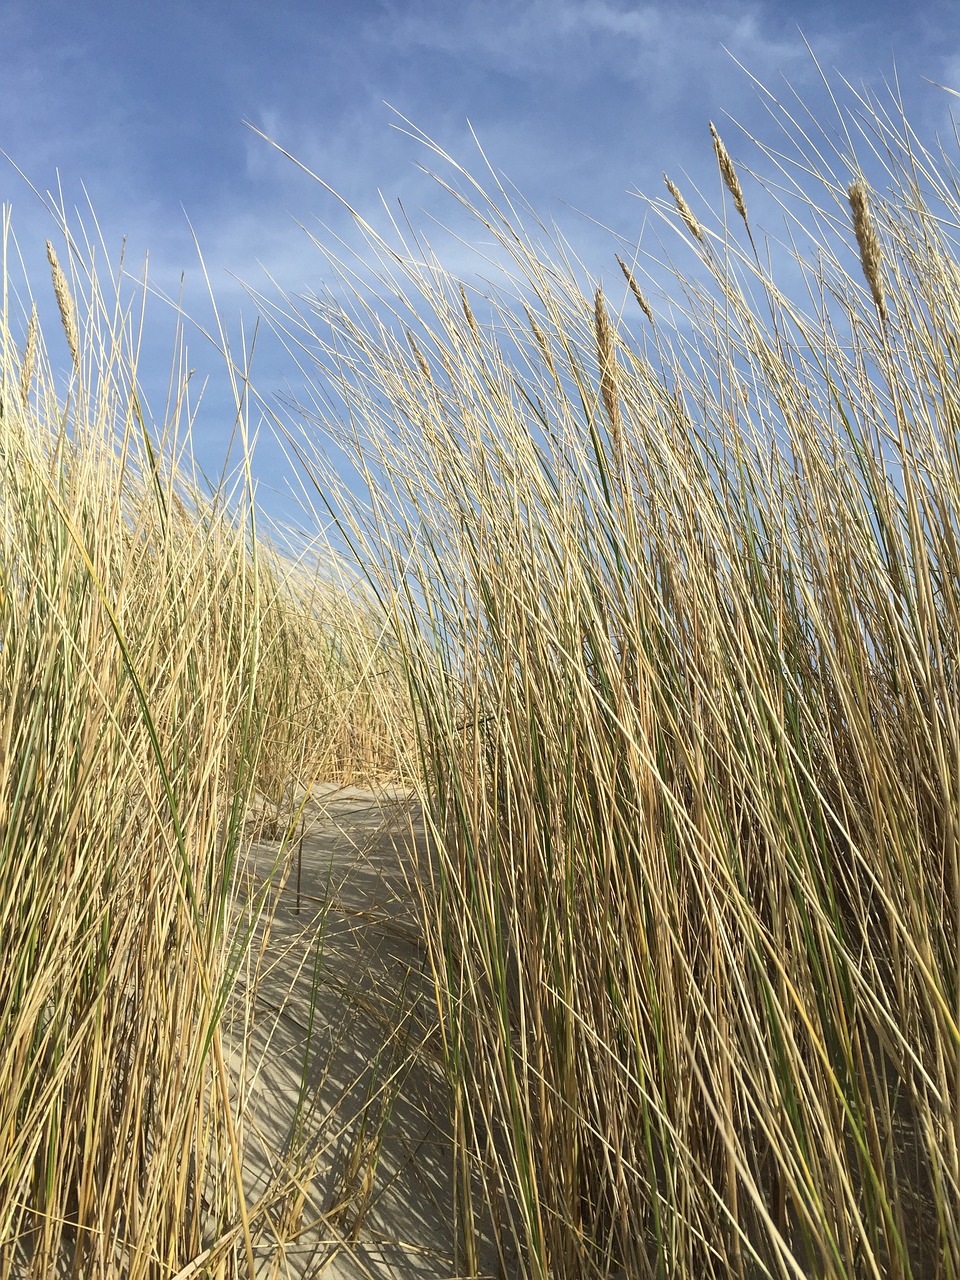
x,y
574,100
532,38
639,23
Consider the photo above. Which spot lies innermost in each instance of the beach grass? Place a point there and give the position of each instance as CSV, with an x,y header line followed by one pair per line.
x,y
167,677
678,590
659,620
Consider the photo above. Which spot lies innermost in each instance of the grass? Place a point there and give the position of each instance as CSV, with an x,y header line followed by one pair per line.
x,y
675,604
678,604
162,672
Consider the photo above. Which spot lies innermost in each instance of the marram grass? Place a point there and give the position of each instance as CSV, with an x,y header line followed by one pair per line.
x,y
679,604
160,667
677,608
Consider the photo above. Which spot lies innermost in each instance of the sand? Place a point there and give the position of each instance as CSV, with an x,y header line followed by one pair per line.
x,y
344,944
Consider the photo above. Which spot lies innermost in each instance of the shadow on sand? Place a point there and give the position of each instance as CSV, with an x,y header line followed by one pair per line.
x,y
341,1066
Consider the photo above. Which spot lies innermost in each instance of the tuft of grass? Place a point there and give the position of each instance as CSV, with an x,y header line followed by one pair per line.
x,y
679,613
162,666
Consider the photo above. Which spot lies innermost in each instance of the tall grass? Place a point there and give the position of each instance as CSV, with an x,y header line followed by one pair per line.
x,y
676,606
160,667
678,602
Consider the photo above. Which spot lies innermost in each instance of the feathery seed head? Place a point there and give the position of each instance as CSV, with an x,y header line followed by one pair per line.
x,y
606,350
635,289
542,343
29,359
419,356
871,258
67,314
471,320
728,172
686,213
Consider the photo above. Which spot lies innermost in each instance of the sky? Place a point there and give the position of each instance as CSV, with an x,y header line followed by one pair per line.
x,y
141,112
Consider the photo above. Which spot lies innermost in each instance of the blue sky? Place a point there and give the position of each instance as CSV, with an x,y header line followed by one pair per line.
x,y
579,102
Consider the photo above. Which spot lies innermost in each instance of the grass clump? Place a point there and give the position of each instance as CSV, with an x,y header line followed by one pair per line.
x,y
161,667
668,619
679,615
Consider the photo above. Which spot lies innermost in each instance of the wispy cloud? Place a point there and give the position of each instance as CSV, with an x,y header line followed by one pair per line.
x,y
578,102
587,38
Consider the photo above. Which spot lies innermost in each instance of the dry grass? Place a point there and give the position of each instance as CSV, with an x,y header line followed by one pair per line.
x,y
160,666
679,613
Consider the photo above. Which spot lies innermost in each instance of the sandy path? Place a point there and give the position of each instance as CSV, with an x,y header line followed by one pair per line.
x,y
374,1116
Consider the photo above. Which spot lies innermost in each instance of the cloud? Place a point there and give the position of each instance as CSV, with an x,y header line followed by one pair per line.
x,y
534,39
579,102
643,23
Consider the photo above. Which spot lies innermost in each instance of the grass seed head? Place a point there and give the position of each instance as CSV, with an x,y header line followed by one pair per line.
x,y
542,343
471,319
728,172
67,313
635,289
419,356
606,350
868,241
29,359
686,213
